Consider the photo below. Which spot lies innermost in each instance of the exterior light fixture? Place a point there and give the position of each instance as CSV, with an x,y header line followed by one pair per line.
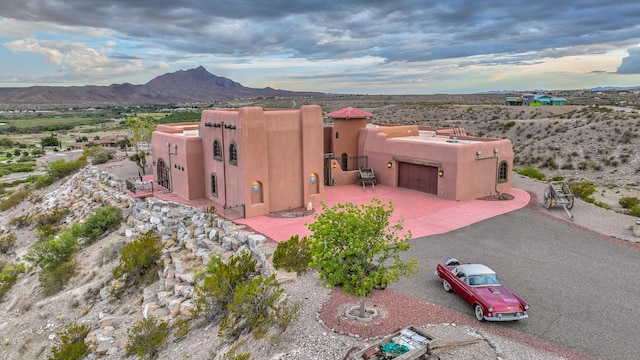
x,y
255,187
440,172
334,165
478,153
312,179
495,152
389,164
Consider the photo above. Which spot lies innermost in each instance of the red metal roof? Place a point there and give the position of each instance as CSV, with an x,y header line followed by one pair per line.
x,y
349,113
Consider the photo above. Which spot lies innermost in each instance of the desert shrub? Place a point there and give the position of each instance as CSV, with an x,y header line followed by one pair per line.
x,y
531,172
221,279
69,343
557,178
97,224
293,254
628,202
255,305
100,155
583,189
181,328
54,278
7,242
139,260
55,251
53,217
20,221
232,355
146,338
45,232
14,199
509,124
110,253
245,300
9,276
58,169
635,210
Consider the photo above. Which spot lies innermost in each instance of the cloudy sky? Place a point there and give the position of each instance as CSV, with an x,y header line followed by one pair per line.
x,y
346,46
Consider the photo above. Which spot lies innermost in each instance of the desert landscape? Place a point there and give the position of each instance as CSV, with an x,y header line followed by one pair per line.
x,y
596,139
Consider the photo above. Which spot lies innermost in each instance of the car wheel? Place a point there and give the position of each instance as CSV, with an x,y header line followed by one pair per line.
x,y
479,313
446,286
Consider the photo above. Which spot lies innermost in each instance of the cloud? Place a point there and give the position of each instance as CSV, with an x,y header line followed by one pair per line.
x,y
631,63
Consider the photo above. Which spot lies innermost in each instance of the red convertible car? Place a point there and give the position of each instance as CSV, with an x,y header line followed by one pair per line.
x,y
479,286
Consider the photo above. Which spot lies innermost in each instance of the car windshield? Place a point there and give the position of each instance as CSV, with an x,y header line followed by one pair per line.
x,y
486,279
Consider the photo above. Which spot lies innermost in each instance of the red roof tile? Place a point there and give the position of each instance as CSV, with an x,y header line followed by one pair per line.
x,y
349,113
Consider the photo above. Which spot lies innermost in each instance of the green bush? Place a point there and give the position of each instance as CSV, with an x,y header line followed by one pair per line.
x,y
221,279
255,305
557,178
69,343
509,124
635,210
293,254
58,169
104,219
7,242
146,338
55,251
583,189
243,299
14,199
9,276
139,260
628,202
54,278
531,172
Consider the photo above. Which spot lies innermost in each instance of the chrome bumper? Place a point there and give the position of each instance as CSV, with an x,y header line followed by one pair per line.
x,y
506,316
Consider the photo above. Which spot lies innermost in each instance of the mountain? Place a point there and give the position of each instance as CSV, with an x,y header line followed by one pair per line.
x,y
183,86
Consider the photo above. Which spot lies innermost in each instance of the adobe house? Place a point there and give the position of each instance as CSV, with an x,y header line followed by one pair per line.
x,y
259,161
254,160
444,162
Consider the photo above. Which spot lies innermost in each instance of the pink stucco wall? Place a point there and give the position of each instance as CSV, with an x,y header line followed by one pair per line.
x,y
465,177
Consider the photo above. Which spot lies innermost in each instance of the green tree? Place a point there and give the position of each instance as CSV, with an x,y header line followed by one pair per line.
x,y
141,129
50,141
356,246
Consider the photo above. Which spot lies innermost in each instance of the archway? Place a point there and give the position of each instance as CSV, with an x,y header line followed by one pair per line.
x,y
162,175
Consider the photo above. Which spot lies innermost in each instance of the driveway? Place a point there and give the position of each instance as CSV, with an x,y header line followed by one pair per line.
x,y
583,288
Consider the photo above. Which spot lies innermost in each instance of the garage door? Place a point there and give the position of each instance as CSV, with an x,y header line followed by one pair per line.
x,y
418,177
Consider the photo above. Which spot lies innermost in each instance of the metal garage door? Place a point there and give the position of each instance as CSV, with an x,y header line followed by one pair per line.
x,y
418,177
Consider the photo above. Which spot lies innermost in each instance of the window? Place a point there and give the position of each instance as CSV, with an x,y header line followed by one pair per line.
x,y
217,150
214,185
233,154
502,172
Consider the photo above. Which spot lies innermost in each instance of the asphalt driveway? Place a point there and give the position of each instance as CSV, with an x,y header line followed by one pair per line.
x,y
584,290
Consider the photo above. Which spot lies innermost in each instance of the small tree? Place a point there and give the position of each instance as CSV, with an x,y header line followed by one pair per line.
x,y
357,247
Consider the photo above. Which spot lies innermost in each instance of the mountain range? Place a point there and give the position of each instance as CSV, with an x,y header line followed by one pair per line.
x,y
183,86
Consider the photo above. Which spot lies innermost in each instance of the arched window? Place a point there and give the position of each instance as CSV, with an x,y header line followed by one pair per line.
x,y
214,185
344,161
217,150
503,172
233,154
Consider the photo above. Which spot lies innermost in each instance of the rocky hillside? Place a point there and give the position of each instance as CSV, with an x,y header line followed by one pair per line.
x,y
30,320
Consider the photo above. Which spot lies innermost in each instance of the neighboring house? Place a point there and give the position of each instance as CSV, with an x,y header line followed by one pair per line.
x,y
534,100
262,161
107,141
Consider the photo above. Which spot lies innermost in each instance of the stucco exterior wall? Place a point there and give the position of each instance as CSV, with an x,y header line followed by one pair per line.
x,y
279,151
464,176
345,136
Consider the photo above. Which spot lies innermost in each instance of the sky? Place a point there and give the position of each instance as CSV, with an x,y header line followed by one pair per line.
x,y
343,47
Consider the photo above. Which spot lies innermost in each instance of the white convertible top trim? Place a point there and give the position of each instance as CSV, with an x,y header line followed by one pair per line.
x,y
474,269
